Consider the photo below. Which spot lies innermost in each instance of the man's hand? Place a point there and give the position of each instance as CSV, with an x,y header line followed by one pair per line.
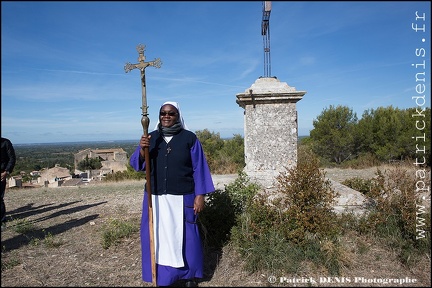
x,y
4,175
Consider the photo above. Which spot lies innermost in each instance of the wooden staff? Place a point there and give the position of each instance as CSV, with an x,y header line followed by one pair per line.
x,y
145,121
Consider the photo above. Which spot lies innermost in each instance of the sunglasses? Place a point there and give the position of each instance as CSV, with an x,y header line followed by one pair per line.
x,y
170,113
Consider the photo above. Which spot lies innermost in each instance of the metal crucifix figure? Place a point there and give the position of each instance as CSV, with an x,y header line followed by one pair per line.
x,y
145,121
141,66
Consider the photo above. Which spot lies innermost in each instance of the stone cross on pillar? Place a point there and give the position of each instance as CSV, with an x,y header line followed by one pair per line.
x,y
270,128
141,66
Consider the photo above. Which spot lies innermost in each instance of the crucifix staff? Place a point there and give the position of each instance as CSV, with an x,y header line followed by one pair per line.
x,y
145,121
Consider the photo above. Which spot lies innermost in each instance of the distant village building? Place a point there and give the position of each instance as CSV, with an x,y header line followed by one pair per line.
x,y
35,173
113,160
15,181
54,177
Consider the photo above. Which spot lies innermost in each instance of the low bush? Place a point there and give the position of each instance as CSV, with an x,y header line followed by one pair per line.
x,y
279,235
398,216
116,229
222,210
361,185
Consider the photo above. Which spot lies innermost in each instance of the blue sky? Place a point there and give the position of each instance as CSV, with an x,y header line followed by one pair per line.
x,y
63,78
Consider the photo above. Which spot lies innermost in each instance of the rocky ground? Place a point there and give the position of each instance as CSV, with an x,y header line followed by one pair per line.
x,y
67,251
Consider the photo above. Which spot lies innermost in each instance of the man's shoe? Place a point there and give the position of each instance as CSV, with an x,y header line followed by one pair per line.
x,y
191,283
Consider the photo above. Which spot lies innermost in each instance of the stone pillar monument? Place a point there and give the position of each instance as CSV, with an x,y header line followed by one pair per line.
x,y
270,129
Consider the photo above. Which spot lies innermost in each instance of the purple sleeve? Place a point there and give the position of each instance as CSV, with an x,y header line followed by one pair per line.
x,y
202,176
136,161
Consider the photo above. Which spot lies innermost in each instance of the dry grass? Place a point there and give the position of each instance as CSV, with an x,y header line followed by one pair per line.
x,y
72,219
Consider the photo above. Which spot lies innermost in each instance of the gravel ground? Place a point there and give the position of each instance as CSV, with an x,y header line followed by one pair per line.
x,y
68,224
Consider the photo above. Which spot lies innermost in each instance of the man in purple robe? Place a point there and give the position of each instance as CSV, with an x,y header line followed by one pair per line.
x,y
180,178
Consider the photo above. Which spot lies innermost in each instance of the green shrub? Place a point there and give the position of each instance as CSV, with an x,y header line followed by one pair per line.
x,y
90,163
24,226
128,174
115,230
51,242
223,156
217,219
298,225
11,262
393,217
359,184
309,200
242,190
223,208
